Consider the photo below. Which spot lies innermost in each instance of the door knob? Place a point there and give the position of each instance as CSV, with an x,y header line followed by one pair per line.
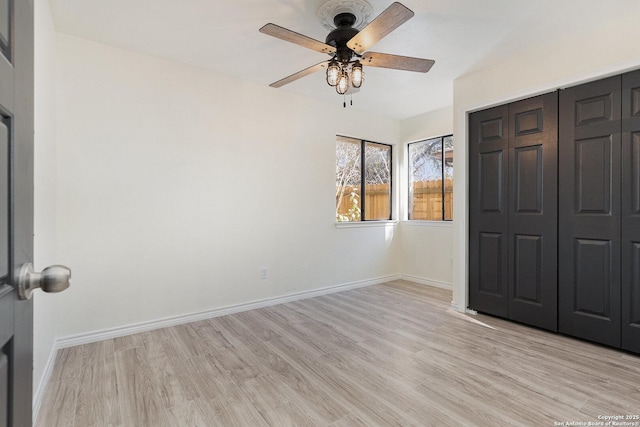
x,y
55,278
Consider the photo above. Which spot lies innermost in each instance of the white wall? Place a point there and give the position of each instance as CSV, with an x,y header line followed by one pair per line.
x,y
426,246
45,188
175,186
598,40
434,123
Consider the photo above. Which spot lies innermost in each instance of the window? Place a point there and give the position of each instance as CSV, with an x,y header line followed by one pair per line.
x,y
353,156
431,179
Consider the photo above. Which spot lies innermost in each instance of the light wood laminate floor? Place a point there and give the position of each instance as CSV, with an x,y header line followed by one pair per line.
x,y
386,355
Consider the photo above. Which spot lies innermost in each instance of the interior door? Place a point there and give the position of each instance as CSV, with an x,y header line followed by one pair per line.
x,y
16,208
488,211
631,211
589,211
533,212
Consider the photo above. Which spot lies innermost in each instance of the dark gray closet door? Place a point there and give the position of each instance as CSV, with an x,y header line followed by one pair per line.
x,y
589,211
533,213
631,211
488,211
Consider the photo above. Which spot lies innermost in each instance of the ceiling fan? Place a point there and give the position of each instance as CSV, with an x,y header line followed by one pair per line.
x,y
348,48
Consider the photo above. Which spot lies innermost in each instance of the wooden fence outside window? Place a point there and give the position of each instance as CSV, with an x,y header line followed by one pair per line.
x,y
426,203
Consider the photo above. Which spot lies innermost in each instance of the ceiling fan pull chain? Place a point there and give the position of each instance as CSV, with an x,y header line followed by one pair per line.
x,y
344,101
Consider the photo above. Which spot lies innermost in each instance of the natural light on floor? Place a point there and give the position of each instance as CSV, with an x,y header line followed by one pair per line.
x,y
467,318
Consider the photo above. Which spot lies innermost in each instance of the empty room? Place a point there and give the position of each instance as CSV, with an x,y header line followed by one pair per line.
x,y
247,213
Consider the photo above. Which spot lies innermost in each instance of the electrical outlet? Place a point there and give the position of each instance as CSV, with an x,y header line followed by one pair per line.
x,y
264,273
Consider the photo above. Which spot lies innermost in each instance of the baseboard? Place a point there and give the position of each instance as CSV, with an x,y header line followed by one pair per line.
x,y
44,381
427,282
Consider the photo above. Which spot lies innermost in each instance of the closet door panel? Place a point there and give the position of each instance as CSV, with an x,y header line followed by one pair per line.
x,y
491,182
528,180
491,277
593,174
593,278
533,184
488,215
590,211
631,211
527,277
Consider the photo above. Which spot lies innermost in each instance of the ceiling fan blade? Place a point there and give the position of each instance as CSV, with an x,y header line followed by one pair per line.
x,y
390,19
299,39
300,74
397,62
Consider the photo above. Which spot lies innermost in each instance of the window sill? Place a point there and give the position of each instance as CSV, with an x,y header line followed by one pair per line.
x,y
359,224
423,223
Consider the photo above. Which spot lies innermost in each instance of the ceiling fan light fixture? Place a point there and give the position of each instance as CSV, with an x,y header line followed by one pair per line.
x,y
343,83
333,73
357,75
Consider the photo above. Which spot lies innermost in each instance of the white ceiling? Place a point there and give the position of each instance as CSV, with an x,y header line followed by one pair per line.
x,y
222,36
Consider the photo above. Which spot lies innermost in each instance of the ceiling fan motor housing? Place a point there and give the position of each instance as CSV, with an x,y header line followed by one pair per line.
x,y
341,35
